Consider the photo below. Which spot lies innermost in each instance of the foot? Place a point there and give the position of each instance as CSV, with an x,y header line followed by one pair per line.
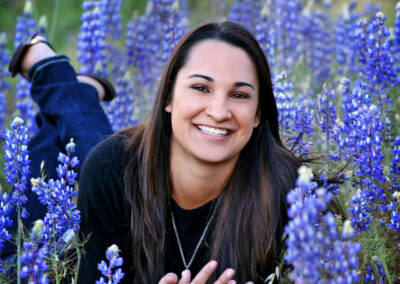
x,y
94,83
34,54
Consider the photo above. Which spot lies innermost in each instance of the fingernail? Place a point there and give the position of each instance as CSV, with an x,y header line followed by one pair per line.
x,y
185,273
213,264
230,273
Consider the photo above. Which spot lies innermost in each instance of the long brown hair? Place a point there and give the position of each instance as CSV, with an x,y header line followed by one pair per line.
x,y
251,210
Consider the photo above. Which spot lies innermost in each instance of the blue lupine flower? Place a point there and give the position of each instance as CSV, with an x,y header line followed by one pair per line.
x,y
91,39
111,11
17,162
295,118
5,221
107,270
395,165
62,214
266,36
371,9
34,266
4,85
287,15
360,210
396,43
123,105
245,12
317,45
345,38
370,276
374,56
24,29
313,244
149,41
326,115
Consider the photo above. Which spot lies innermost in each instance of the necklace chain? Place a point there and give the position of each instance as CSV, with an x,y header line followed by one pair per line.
x,y
185,264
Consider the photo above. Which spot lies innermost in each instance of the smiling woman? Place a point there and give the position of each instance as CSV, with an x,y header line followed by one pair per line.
x,y
200,188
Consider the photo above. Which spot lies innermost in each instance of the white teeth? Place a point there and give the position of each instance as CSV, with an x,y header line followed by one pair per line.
x,y
213,131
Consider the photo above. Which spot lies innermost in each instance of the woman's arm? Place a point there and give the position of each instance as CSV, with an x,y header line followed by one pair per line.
x,y
104,210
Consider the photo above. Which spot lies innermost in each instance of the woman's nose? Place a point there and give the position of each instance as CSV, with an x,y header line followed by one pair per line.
x,y
218,108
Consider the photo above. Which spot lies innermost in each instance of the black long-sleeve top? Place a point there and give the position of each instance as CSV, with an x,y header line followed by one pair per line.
x,y
106,216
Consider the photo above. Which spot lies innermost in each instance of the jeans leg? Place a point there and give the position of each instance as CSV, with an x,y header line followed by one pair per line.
x,y
73,107
68,109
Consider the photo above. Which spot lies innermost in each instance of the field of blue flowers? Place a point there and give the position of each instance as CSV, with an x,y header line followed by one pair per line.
x,y
336,82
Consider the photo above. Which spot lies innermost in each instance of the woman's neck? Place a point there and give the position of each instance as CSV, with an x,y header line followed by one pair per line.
x,y
194,183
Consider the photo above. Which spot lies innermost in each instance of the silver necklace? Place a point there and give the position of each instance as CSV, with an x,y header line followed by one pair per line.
x,y
185,264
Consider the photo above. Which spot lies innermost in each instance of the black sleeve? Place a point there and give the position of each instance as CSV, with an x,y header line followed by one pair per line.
x,y
104,208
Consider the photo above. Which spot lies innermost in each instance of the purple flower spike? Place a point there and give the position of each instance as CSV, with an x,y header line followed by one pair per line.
x,y
17,161
62,215
314,247
107,270
34,266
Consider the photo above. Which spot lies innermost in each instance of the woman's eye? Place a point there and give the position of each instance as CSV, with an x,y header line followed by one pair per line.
x,y
200,88
239,96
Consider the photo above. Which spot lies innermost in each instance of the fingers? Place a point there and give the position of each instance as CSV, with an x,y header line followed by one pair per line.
x,y
169,278
205,273
226,277
185,278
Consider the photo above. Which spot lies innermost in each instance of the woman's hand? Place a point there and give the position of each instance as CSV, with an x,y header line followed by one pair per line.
x,y
201,277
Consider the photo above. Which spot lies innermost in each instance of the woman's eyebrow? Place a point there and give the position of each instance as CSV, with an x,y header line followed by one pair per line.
x,y
237,84
240,84
202,76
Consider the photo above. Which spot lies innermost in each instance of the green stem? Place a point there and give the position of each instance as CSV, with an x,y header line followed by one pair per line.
x,y
78,251
19,245
54,20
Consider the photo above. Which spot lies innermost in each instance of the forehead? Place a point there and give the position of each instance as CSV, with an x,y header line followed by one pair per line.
x,y
220,60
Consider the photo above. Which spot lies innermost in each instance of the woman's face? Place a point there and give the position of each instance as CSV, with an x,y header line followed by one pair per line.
x,y
214,103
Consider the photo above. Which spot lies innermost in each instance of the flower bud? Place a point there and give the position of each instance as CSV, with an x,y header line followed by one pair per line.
x,y
396,195
348,230
37,230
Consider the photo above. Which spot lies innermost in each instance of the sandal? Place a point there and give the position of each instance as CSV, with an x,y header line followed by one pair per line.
x,y
15,66
109,91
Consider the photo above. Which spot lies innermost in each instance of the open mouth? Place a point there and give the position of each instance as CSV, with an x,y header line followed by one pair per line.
x,y
213,131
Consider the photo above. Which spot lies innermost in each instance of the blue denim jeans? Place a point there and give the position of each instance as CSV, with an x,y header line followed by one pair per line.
x,y
68,109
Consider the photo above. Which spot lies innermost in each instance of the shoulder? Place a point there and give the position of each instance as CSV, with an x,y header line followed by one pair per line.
x,y
108,151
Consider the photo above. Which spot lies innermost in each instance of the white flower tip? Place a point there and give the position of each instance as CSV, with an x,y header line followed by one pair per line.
x,y
37,228
43,22
396,195
18,121
3,38
98,67
348,174
305,174
127,76
28,8
372,108
380,15
35,181
176,6
42,166
149,7
348,230
398,6
265,11
113,248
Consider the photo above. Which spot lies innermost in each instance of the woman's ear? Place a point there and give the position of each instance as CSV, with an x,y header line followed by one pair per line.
x,y
168,108
257,119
